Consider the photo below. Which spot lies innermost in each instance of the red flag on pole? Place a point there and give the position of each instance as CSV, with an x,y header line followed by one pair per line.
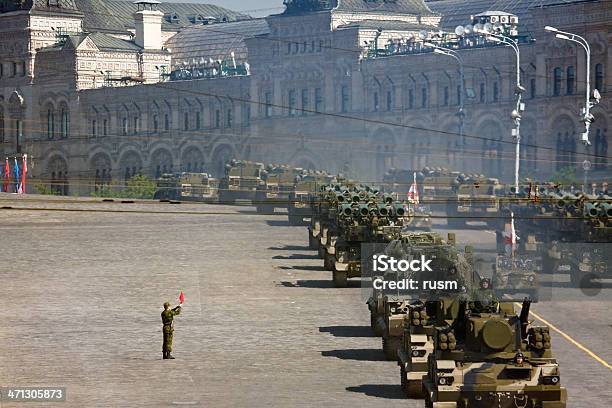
x,y
181,298
7,176
24,172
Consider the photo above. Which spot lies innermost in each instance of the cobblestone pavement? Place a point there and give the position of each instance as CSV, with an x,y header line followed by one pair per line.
x,y
262,326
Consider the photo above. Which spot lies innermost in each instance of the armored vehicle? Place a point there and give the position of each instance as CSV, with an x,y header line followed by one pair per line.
x,y
306,184
438,187
389,309
240,181
474,197
187,187
490,357
572,230
278,182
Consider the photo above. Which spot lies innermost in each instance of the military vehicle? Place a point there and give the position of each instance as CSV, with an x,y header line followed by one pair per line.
x,y
474,196
388,310
187,187
240,183
571,229
438,185
488,356
306,184
278,182
349,216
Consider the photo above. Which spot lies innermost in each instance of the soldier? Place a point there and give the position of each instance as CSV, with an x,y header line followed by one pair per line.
x,y
168,321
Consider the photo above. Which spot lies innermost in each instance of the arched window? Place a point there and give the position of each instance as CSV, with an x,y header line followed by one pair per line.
x,y
166,122
570,80
599,77
495,91
50,123
65,122
186,121
557,82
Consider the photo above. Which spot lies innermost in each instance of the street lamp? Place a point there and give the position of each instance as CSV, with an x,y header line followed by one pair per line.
x,y
454,54
520,106
587,118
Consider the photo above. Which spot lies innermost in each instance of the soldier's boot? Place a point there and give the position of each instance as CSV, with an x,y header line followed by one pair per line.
x,y
165,355
170,356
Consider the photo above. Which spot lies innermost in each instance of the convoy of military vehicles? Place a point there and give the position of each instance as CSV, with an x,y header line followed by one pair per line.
x,y
462,348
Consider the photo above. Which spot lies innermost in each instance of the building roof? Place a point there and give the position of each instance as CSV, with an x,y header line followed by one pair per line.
x,y
388,25
115,16
104,42
61,6
416,7
107,42
216,41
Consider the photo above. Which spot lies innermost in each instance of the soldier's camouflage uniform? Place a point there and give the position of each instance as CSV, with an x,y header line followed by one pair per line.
x,y
167,317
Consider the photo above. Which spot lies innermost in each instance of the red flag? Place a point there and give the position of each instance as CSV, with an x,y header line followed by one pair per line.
x,y
181,298
7,176
24,171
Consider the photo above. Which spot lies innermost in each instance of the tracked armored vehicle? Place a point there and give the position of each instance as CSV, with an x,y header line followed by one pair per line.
x,y
490,357
390,313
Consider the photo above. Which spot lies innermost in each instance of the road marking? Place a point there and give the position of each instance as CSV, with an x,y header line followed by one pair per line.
x,y
571,340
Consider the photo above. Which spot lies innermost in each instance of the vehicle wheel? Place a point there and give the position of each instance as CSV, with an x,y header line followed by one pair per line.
x,y
340,278
390,346
313,243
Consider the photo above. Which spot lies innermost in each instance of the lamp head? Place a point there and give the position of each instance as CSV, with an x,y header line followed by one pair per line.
x,y
551,29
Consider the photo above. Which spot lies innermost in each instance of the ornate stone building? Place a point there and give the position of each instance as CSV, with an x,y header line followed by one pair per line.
x,y
303,87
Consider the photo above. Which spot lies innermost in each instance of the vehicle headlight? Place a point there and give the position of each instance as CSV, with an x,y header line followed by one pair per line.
x,y
531,278
551,380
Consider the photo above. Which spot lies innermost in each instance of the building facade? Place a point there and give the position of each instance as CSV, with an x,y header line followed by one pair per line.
x,y
303,87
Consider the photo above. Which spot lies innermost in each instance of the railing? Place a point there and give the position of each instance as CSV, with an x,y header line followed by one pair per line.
x,y
411,47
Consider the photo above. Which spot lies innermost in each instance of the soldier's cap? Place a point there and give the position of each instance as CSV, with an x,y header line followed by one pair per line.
x,y
166,305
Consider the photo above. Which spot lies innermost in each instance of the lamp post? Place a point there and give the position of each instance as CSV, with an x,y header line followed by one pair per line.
x,y
454,54
587,118
520,106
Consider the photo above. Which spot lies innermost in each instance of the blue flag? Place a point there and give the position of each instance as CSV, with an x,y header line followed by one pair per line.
x,y
17,176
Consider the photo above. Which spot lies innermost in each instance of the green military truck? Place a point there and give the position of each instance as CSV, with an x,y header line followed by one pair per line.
x,y
240,183
477,198
278,183
199,187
